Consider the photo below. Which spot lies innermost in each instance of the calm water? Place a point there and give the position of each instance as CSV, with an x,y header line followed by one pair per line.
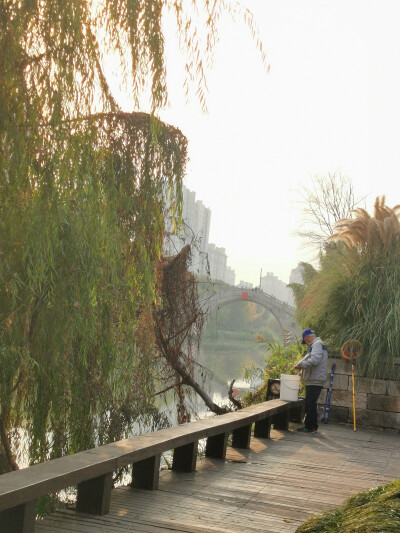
x,y
226,361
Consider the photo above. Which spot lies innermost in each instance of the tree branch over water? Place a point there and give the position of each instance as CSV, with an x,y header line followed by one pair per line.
x,y
175,321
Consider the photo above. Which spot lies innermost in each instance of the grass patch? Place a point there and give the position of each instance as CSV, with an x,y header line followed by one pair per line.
x,y
374,511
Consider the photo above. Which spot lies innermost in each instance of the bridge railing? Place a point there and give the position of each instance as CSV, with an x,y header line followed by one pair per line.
x,y
255,291
92,470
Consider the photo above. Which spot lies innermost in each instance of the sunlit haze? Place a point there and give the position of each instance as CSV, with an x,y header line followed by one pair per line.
x,y
330,103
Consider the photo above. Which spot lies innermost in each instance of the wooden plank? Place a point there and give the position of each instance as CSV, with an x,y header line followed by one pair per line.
x,y
30,483
271,487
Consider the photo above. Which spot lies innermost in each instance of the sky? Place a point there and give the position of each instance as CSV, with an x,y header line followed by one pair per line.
x,y
330,103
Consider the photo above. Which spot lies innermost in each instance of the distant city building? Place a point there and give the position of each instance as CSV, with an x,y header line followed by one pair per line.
x,y
196,228
297,275
245,285
230,275
196,217
217,260
272,285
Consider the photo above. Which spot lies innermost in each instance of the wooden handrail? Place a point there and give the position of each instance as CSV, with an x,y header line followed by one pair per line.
x,y
92,470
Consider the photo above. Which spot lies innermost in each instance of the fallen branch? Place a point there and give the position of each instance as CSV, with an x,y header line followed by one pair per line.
x,y
236,402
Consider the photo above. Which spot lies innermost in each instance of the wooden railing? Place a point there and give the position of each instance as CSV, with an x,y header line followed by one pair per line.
x,y
92,470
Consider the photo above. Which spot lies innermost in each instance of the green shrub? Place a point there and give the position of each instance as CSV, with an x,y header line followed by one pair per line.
x,y
280,360
374,511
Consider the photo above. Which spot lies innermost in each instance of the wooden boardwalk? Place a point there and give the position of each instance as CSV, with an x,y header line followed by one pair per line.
x,y
271,487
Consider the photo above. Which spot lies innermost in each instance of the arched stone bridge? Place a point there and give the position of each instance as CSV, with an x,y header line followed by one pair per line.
x,y
283,312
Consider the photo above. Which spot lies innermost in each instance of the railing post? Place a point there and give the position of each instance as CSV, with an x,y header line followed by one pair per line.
x,y
216,445
94,495
146,473
185,457
241,437
262,428
281,420
19,519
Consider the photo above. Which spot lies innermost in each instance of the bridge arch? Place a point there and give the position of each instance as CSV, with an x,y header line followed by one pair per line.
x,y
282,311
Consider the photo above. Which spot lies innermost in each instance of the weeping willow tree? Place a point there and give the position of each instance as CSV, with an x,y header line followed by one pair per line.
x,y
84,188
355,293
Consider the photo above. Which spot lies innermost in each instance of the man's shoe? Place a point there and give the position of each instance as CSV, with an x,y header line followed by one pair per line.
x,y
307,430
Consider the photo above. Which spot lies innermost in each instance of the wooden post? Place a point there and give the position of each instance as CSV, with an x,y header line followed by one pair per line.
x,y
19,519
216,445
281,420
185,457
296,414
262,428
94,495
241,437
146,473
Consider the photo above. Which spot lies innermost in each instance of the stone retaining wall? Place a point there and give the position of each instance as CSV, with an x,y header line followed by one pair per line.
x,y
377,399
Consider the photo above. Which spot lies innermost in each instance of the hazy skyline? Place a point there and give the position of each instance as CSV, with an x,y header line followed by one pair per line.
x,y
330,103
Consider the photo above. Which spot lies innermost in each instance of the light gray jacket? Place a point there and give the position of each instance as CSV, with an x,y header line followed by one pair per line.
x,y
314,364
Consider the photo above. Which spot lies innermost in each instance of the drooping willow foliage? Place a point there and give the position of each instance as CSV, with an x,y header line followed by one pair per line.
x,y
79,250
83,192
356,292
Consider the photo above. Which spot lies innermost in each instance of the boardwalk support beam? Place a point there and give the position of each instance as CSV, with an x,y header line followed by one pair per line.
x,y
146,473
185,457
92,470
262,428
281,420
216,445
94,495
19,519
241,437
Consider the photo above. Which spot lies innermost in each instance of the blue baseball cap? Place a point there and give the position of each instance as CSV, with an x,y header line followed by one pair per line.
x,y
305,333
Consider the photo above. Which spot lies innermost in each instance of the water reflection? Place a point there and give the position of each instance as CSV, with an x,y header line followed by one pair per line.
x,y
226,361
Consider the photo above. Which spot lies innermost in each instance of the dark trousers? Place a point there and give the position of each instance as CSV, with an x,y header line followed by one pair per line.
x,y
312,393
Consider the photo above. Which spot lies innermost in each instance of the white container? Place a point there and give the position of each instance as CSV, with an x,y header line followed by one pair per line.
x,y
290,386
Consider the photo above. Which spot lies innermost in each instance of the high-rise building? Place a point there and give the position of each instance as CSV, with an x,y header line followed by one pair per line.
x,y
297,275
272,285
196,229
230,275
245,284
217,260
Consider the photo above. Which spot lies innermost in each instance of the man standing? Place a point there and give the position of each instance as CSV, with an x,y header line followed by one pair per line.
x,y
314,369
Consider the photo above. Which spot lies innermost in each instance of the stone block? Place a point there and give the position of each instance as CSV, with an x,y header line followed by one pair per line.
x,y
362,418
378,419
336,413
377,402
393,388
340,382
345,399
368,385
342,366
386,372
